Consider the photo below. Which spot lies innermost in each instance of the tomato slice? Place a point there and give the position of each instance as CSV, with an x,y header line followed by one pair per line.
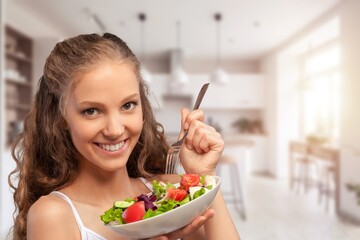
x,y
134,213
176,194
189,180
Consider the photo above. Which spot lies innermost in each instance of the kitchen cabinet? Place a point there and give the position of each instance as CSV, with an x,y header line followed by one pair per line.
x,y
248,91
242,91
18,80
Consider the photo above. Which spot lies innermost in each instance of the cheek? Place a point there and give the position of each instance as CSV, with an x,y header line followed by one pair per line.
x,y
138,125
80,132
136,122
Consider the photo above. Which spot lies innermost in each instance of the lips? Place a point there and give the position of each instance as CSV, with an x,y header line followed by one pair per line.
x,y
112,147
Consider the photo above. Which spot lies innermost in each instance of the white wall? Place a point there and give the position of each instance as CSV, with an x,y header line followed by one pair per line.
x,y
350,128
29,24
269,69
42,48
281,108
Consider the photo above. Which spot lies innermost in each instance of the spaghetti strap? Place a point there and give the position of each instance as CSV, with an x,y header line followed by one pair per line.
x,y
146,182
86,233
67,199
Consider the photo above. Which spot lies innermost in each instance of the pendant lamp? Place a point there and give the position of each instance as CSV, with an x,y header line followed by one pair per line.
x,y
219,75
145,73
178,73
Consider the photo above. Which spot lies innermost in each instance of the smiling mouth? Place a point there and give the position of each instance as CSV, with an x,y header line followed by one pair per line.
x,y
112,147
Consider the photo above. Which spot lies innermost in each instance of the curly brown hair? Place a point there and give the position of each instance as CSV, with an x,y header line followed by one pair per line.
x,y
44,153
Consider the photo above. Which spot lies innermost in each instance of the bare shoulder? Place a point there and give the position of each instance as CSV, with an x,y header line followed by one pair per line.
x,y
48,206
48,217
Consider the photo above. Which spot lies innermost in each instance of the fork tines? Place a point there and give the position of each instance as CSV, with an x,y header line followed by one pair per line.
x,y
172,161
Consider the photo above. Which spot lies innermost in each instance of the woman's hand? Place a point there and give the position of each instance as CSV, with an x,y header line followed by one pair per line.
x,y
203,145
188,229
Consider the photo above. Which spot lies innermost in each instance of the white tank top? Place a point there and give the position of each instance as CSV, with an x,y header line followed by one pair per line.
x,y
86,233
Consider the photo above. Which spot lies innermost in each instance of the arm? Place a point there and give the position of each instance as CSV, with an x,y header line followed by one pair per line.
x,y
51,218
200,154
221,225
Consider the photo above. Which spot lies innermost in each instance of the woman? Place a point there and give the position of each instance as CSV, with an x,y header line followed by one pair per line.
x,y
89,139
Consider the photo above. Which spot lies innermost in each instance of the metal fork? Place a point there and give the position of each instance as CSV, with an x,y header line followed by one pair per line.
x,y
172,158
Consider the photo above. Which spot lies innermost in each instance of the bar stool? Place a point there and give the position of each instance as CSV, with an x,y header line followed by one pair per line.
x,y
235,183
327,164
326,186
302,167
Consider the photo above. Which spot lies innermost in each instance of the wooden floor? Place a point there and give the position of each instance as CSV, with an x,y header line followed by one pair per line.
x,y
276,213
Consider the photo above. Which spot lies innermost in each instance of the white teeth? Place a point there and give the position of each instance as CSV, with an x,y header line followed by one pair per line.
x,y
112,148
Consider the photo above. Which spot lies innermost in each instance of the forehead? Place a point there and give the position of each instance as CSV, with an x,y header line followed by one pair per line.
x,y
104,63
121,70
105,79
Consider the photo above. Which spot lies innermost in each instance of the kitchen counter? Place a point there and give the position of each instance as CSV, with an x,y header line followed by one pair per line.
x,y
239,139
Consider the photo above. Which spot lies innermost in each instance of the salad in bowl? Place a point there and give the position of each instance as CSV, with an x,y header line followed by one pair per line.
x,y
166,208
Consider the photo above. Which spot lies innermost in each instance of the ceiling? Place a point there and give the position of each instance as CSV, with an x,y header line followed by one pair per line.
x,y
249,28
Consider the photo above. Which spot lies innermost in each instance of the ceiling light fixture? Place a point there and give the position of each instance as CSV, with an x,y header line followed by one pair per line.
x,y
145,73
95,18
98,22
178,74
219,75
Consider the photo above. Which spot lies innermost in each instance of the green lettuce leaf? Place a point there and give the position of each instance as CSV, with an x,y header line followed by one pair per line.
x,y
113,215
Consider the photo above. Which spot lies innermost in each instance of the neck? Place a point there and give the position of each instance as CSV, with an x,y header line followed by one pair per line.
x,y
101,187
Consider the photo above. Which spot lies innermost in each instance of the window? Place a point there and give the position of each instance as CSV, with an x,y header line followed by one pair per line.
x,y
322,78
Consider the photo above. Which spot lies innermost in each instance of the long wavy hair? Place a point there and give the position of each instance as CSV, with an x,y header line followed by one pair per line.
x,y
45,156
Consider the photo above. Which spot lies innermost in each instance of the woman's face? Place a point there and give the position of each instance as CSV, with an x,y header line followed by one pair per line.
x,y
104,115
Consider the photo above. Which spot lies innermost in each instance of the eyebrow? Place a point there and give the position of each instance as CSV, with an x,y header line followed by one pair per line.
x,y
127,98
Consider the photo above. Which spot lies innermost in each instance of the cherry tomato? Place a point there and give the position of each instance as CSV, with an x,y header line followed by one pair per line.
x,y
189,180
176,194
134,213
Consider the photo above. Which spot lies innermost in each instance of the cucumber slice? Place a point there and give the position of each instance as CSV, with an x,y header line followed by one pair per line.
x,y
123,204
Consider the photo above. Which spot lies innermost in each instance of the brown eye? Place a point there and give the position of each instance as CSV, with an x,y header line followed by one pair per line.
x,y
90,112
129,105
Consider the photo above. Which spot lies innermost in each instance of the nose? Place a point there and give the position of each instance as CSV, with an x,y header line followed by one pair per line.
x,y
114,126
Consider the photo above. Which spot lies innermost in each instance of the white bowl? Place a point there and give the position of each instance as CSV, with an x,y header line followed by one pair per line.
x,y
168,221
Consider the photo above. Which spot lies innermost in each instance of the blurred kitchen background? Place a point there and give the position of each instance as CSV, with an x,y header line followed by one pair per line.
x,y
285,83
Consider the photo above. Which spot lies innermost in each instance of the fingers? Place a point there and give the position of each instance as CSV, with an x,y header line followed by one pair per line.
x,y
184,113
188,117
202,138
159,238
193,226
